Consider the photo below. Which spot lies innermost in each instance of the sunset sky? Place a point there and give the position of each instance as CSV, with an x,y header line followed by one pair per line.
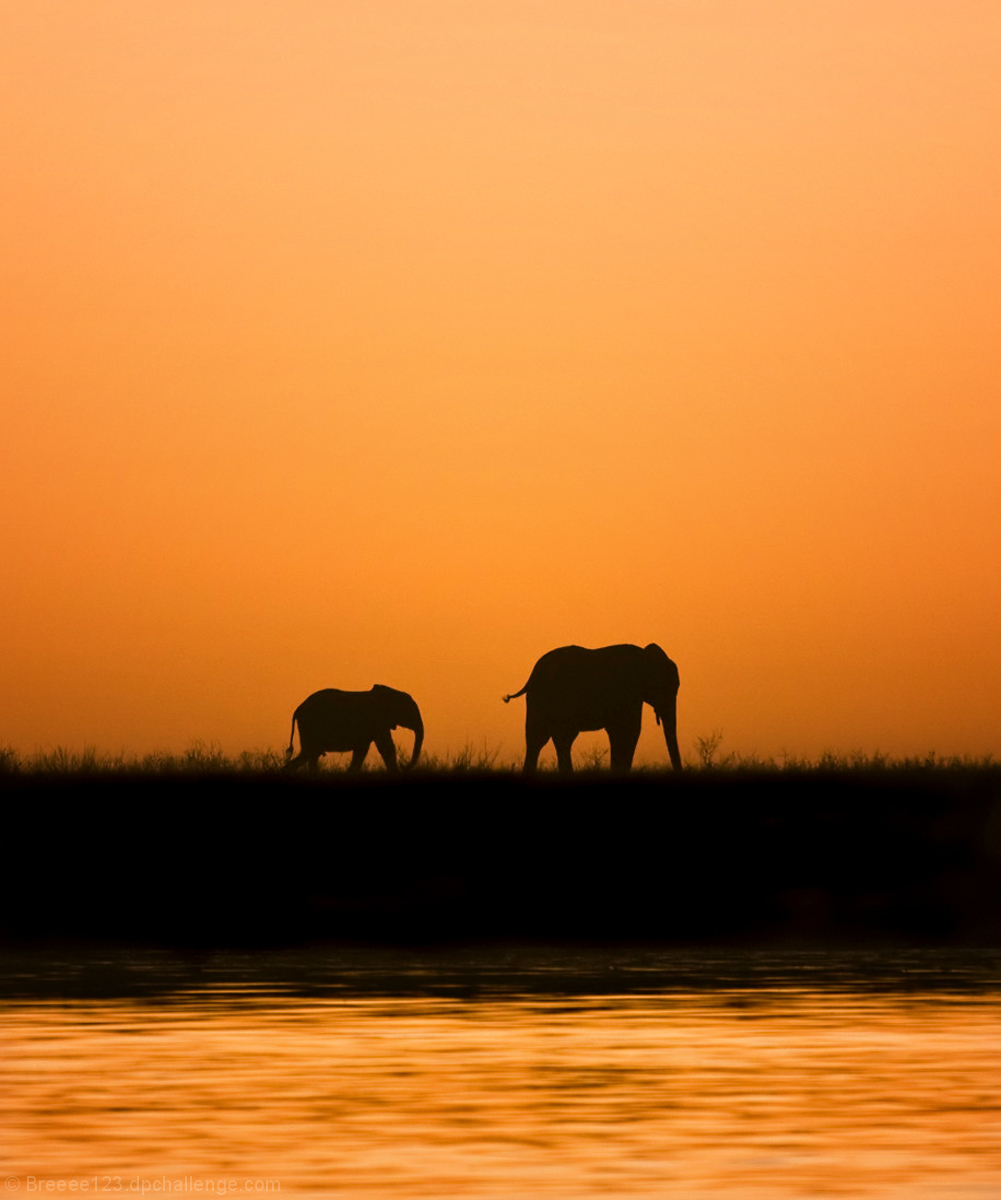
x,y
400,341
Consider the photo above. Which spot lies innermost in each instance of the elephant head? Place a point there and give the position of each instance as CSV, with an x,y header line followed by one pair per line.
x,y
400,708
660,690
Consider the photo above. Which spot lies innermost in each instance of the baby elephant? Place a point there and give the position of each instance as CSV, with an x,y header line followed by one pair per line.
x,y
336,720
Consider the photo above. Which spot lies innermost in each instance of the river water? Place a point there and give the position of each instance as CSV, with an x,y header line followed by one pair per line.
x,y
503,1074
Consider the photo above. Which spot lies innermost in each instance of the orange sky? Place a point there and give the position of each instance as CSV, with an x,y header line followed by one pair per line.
x,y
356,341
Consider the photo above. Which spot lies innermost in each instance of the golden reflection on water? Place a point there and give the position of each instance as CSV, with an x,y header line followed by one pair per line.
x,y
784,1093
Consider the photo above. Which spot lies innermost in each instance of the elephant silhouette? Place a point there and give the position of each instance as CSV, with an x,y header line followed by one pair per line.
x,y
332,720
572,689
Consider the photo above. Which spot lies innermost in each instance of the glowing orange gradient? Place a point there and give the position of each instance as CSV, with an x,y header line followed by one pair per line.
x,y
380,342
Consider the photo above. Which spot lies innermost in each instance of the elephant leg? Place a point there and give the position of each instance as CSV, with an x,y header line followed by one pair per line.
x,y
384,744
622,739
306,757
564,747
535,739
358,756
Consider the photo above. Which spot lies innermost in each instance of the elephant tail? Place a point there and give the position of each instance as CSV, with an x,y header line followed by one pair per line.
x,y
291,736
515,695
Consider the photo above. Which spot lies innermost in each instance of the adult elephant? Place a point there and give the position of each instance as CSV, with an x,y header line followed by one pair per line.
x,y
573,689
336,720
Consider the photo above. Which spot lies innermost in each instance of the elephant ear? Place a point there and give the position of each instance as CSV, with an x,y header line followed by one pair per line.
x,y
383,691
658,661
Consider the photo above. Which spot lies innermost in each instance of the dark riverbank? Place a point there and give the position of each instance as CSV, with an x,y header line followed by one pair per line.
x,y
779,857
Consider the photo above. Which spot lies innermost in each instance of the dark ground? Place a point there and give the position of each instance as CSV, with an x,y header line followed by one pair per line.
x,y
710,858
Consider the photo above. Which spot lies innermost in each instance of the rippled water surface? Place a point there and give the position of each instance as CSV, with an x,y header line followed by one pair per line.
x,y
547,1076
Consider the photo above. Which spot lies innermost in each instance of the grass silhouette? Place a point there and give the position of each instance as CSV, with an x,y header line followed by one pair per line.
x,y
203,849
208,759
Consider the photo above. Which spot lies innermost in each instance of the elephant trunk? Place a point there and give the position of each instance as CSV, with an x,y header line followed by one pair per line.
x,y
669,719
418,728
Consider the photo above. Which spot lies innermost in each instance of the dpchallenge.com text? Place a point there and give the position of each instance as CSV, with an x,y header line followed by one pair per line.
x,y
139,1185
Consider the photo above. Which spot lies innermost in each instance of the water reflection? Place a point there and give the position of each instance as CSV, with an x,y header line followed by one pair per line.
x,y
788,1086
